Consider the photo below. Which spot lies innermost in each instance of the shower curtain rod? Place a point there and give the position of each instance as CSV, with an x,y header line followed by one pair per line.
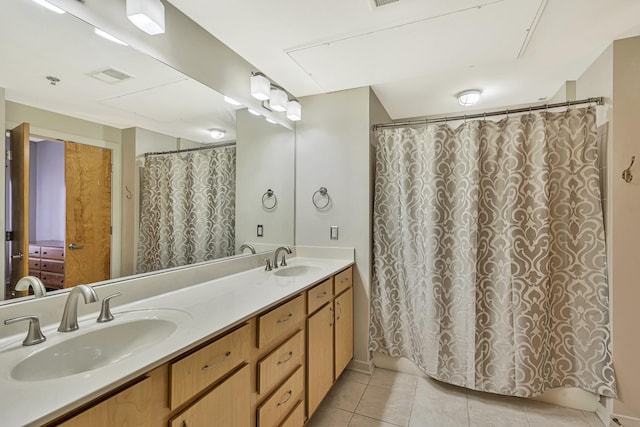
x,y
186,150
597,101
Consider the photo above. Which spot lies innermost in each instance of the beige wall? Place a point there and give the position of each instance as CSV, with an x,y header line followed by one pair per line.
x,y
2,193
625,232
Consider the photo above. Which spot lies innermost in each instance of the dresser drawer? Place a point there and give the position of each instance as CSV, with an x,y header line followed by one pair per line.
x,y
274,367
202,368
280,320
52,252
280,403
52,280
52,266
34,251
319,295
34,263
296,417
343,280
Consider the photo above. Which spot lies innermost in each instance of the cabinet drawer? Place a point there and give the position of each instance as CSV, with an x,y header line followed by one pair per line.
x,y
52,252
228,405
280,320
343,280
319,295
52,280
34,251
284,359
199,370
51,266
276,407
34,264
296,417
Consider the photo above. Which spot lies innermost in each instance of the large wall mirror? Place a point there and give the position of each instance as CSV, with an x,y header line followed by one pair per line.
x,y
114,170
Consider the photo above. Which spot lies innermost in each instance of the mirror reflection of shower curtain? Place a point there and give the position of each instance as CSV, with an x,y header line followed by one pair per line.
x,y
489,260
187,208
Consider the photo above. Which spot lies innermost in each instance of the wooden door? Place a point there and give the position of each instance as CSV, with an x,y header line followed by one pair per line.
x,y
343,331
19,141
319,356
88,219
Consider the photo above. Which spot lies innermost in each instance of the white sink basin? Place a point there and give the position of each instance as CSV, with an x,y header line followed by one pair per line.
x,y
102,345
295,270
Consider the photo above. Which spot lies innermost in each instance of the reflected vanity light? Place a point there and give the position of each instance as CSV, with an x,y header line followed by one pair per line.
x,y
254,112
217,133
468,98
46,4
294,110
108,36
271,121
278,100
148,15
260,87
231,101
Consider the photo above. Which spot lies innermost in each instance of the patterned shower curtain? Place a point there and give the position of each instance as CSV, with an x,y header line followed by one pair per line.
x,y
489,266
187,208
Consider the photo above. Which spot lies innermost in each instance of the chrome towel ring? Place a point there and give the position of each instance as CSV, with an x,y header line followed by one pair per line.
x,y
323,193
269,200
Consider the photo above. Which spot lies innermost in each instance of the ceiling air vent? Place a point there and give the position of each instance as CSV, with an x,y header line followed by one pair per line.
x,y
110,75
378,3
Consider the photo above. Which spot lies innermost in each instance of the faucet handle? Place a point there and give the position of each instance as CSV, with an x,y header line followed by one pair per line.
x,y
268,264
105,311
34,335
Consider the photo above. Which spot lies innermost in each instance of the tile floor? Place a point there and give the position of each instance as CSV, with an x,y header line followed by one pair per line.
x,y
390,399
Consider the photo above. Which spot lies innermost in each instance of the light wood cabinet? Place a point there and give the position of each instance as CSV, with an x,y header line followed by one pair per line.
x,y
319,295
228,404
343,331
276,408
319,356
296,417
280,320
130,407
282,360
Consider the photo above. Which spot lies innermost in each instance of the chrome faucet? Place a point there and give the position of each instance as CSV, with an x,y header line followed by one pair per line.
x,y
247,246
283,263
69,320
33,282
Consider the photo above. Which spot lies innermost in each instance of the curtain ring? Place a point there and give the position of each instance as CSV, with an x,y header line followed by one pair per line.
x,y
265,200
324,193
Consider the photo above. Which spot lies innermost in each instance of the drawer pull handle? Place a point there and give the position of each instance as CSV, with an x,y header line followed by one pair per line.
x,y
184,423
322,295
332,317
339,310
344,279
286,319
282,362
207,367
289,394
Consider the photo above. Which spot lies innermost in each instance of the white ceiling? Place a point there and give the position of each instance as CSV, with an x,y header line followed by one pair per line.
x,y
35,42
417,54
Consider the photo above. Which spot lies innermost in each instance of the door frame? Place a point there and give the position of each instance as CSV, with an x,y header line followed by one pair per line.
x,y
116,183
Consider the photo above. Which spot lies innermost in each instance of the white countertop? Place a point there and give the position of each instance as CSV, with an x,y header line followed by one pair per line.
x,y
212,308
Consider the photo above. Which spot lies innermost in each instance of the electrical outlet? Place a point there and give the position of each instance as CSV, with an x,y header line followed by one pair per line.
x,y
260,230
333,233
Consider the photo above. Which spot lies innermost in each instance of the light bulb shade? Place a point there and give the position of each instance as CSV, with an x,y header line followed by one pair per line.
x,y
294,110
216,133
148,15
260,87
469,97
278,100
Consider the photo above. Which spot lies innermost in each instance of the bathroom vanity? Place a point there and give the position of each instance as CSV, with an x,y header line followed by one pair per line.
x,y
257,348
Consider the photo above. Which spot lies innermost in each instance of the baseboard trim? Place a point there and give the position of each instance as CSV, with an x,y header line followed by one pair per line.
x,y
625,421
361,366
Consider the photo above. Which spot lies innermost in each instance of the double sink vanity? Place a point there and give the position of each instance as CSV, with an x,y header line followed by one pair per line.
x,y
250,348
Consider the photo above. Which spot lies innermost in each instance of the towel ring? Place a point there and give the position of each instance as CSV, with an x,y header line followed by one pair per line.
x,y
269,194
324,193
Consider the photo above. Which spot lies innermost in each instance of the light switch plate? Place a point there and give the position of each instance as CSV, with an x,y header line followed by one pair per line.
x,y
260,230
333,233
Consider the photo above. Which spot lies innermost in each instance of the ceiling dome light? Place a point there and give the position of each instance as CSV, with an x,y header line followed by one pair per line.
x,y
254,112
260,87
294,110
278,100
148,15
468,98
217,133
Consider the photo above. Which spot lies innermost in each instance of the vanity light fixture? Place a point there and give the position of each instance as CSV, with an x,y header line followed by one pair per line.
x,y
231,101
260,87
271,121
278,100
148,15
108,36
294,110
468,98
46,4
217,133
254,112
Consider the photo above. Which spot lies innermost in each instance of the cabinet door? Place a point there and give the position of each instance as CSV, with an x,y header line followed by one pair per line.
x,y
228,405
344,331
131,407
319,356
